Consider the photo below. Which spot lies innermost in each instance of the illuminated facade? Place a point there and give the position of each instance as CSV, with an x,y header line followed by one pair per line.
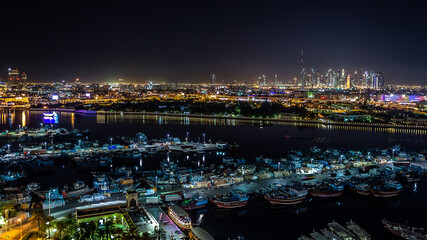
x,y
13,76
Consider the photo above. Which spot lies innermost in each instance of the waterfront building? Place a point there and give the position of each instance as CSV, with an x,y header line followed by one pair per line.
x,y
13,76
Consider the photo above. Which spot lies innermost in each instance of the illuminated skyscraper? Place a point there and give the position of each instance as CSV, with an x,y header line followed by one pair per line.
x,y
275,79
13,77
24,78
213,78
381,82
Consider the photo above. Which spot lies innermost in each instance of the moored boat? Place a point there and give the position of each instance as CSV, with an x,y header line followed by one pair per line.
x,y
286,195
179,216
327,189
363,189
196,202
79,189
389,188
233,199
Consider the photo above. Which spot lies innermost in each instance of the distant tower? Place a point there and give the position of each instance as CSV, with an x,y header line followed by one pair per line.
x,y
13,76
24,78
275,79
213,78
302,70
380,82
264,80
348,85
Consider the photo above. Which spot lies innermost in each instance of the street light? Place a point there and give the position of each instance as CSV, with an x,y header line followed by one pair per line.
x,y
20,224
48,229
45,145
8,147
49,203
80,142
278,167
204,138
187,135
5,213
111,141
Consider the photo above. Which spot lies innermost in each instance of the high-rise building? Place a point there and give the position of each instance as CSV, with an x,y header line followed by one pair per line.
x,y
213,78
275,79
24,78
348,85
13,77
381,82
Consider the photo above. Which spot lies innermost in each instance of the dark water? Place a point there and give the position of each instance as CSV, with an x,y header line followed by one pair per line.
x,y
258,220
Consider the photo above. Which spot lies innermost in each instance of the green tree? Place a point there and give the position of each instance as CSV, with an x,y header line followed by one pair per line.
x,y
71,221
159,233
61,227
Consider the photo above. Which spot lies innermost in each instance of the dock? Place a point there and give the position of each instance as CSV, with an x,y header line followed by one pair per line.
x,y
337,232
361,233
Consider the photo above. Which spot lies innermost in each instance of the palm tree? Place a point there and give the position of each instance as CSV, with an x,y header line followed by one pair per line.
x,y
71,221
159,233
117,233
146,236
100,232
8,211
82,231
61,226
40,218
109,227
91,228
131,234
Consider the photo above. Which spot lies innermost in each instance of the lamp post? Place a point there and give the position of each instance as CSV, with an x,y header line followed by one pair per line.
x,y
6,215
156,183
111,141
187,135
278,167
80,142
204,138
48,229
20,225
49,203
8,147
45,145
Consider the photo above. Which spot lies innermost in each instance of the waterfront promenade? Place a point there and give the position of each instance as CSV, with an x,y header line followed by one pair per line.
x,y
240,118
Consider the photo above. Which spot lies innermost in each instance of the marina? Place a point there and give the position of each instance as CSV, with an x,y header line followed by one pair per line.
x,y
217,178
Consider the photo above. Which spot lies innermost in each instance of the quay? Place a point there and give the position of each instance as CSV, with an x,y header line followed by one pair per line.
x,y
260,119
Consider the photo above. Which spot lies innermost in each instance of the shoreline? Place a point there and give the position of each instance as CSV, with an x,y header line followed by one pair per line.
x,y
288,120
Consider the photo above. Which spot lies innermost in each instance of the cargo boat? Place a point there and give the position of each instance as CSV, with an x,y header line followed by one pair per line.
x,y
233,199
389,188
286,195
363,189
405,231
195,203
327,189
79,189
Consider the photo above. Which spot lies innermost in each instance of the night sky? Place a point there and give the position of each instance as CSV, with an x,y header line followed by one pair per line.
x,y
186,41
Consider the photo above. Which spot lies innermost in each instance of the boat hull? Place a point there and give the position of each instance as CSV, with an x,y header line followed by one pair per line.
x,y
229,205
362,192
77,194
278,201
384,194
194,206
316,193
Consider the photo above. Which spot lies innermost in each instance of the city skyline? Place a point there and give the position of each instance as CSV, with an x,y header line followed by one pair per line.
x,y
189,41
